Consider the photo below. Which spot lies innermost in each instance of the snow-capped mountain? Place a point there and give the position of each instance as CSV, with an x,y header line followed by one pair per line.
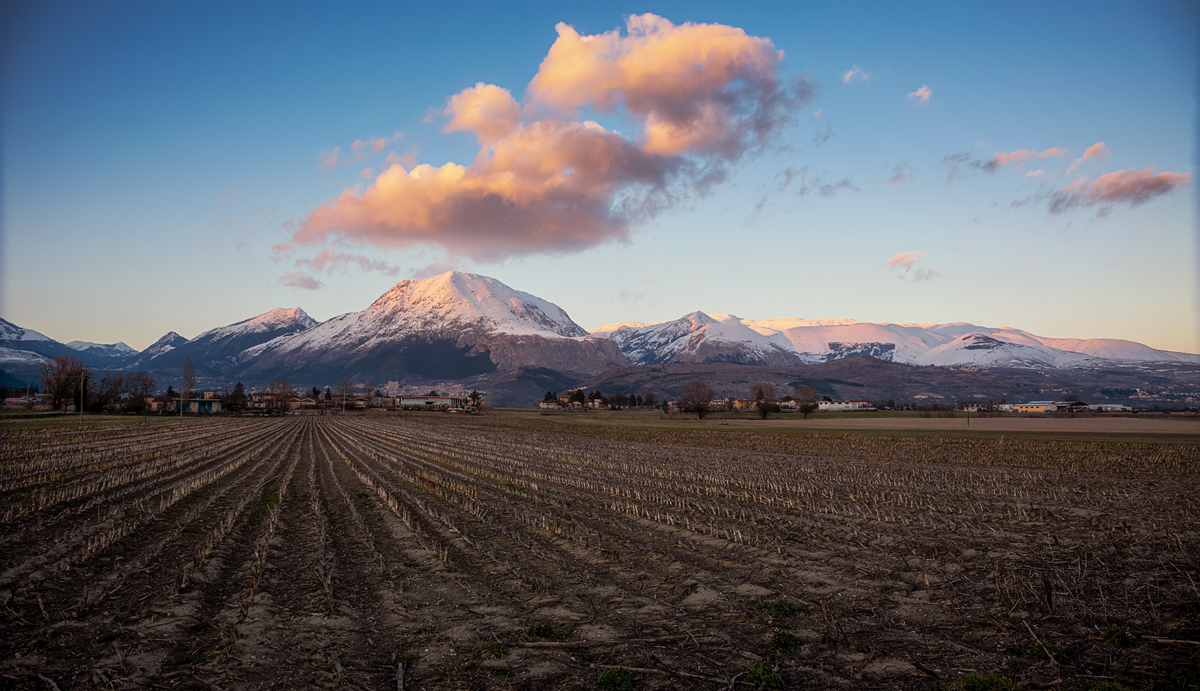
x,y
11,332
699,337
219,351
119,349
448,326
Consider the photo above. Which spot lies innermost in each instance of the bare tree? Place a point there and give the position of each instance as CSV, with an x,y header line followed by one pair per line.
x,y
139,386
368,388
61,378
763,392
109,389
189,381
766,407
696,397
649,400
346,388
806,396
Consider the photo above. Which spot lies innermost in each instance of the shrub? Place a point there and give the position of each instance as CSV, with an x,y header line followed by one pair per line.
x,y
615,680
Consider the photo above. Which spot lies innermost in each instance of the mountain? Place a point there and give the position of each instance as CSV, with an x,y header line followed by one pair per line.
x,y
703,338
698,338
119,349
445,327
219,352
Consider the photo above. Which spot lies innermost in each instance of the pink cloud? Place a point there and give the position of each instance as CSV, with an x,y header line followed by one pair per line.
x,y
407,160
1002,159
1035,173
905,259
546,180
329,158
373,145
1132,187
921,95
299,279
1097,150
329,259
433,269
366,173
856,73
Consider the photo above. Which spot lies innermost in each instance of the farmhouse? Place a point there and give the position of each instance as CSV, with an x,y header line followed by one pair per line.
x,y
431,402
1110,408
1037,407
835,406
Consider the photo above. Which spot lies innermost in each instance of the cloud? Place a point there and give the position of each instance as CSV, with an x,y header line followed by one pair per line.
x,y
329,259
823,135
901,173
1097,150
957,164
547,180
329,158
299,279
907,263
856,73
1132,187
1035,173
433,269
921,95
815,185
626,295
905,259
367,147
367,173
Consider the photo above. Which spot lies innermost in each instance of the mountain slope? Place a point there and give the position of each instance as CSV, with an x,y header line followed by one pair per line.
x,y
218,352
450,326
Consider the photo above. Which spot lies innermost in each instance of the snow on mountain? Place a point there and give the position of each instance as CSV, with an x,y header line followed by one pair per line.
x,y
164,345
15,358
292,319
982,350
11,332
119,349
698,337
455,323
822,340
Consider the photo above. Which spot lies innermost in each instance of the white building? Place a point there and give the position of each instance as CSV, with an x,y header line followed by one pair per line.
x,y
838,406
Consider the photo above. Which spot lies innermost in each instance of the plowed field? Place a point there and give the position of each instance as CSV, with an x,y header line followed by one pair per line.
x,y
437,552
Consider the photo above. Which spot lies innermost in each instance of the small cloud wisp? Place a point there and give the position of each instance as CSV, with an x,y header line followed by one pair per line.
x,y
1132,187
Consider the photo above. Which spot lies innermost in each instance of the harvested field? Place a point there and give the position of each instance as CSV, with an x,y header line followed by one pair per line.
x,y
431,551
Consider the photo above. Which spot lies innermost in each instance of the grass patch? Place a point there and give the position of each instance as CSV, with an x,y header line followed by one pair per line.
x,y
502,672
1119,637
615,680
982,682
548,632
763,677
1039,651
782,640
510,485
411,564
194,660
779,608
493,651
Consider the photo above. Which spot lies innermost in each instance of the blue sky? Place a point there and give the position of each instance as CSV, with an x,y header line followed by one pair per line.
x,y
155,153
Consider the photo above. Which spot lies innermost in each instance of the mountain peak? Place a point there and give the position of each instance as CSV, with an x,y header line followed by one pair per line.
x,y
456,297
280,318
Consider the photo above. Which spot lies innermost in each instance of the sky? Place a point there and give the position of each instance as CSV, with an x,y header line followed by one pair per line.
x,y
181,166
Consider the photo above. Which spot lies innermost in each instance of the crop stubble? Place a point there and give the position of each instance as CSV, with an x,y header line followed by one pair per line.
x,y
405,552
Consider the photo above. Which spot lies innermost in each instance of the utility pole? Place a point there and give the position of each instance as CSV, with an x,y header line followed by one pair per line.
x,y
82,394
967,406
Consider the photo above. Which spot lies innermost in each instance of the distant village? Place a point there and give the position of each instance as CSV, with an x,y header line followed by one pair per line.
x,y
67,386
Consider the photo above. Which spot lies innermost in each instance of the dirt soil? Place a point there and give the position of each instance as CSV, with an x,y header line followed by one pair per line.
x,y
502,552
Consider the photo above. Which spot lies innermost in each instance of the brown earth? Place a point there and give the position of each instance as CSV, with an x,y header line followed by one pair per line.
x,y
435,551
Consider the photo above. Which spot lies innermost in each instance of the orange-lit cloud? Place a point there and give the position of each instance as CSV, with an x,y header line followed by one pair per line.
x,y
1097,150
907,262
365,147
329,158
329,259
1132,187
905,259
1002,159
547,179
1035,173
921,95
299,279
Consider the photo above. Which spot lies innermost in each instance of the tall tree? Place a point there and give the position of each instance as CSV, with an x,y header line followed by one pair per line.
x,y
109,389
61,377
763,392
475,397
696,397
189,380
139,386
649,400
